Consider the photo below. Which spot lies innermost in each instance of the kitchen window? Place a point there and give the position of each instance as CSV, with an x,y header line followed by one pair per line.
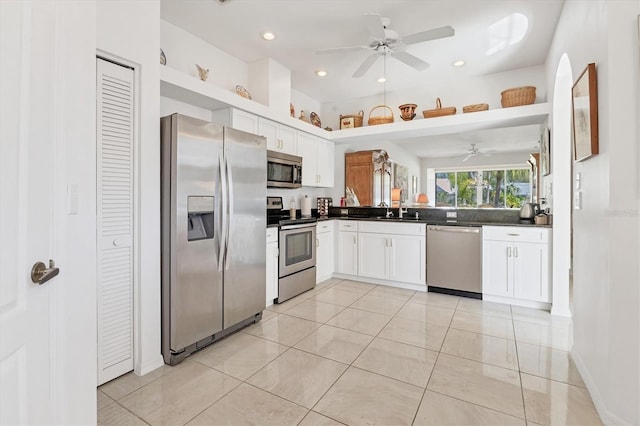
x,y
491,187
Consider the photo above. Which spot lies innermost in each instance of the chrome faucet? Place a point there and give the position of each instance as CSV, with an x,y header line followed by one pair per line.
x,y
402,211
389,213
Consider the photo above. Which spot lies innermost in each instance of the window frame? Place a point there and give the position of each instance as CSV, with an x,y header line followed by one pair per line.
x,y
480,171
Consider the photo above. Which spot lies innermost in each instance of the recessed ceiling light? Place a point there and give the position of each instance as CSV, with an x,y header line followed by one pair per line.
x,y
382,79
268,35
458,63
321,73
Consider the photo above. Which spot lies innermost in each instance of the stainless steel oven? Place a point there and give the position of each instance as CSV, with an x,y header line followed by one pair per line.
x,y
283,170
297,269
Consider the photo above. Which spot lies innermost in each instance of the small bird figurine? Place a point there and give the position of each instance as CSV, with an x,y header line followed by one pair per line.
x,y
204,73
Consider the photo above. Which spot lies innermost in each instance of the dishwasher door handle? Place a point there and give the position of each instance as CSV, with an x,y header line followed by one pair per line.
x,y
454,229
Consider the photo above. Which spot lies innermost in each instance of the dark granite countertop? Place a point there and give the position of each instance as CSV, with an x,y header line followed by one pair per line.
x,y
433,221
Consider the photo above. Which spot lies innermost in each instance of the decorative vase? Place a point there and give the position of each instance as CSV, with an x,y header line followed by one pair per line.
x,y
408,111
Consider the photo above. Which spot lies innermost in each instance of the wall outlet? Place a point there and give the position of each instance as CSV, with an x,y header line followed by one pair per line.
x,y
452,215
344,212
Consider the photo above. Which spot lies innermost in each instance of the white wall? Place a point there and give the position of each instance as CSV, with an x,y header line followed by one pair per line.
x,y
73,80
483,89
605,230
183,50
131,31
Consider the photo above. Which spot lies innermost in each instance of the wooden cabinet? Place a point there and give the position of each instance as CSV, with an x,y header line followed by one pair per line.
x,y
237,119
347,245
392,251
324,250
317,160
272,265
358,175
516,264
280,138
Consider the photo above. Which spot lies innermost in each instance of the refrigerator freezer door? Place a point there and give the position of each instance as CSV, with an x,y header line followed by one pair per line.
x,y
245,269
192,283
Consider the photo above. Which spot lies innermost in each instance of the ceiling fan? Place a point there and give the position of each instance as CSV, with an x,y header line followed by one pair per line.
x,y
473,151
385,41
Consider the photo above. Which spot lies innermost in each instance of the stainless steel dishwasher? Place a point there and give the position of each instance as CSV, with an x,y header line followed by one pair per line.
x,y
454,260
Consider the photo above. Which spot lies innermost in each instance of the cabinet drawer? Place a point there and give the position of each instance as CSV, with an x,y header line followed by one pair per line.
x,y
418,229
516,234
324,227
272,234
347,225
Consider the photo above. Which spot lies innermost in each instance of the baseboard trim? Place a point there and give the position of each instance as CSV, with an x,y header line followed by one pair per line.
x,y
607,417
148,367
406,286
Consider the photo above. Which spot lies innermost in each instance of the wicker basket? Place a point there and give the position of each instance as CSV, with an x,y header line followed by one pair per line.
x,y
475,108
518,96
439,111
357,120
380,119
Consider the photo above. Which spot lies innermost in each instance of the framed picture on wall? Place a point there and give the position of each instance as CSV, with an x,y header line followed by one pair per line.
x,y
545,152
585,114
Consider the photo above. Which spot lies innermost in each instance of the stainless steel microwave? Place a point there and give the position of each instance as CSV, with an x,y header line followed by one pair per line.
x,y
283,170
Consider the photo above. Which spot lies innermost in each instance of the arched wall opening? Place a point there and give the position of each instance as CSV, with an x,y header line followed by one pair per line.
x,y
562,169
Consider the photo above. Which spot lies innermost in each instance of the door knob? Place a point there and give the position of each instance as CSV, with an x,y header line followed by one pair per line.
x,y
40,274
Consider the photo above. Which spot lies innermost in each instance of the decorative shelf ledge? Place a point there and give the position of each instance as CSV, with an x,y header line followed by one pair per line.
x,y
186,88
450,124
183,87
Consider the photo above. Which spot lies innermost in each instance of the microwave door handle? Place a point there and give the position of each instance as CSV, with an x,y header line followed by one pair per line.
x,y
222,238
229,210
298,174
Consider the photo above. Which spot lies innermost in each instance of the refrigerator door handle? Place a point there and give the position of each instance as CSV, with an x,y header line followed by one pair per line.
x,y
229,211
222,238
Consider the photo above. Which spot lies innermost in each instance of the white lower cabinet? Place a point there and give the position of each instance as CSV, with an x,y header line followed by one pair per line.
x,y
324,250
272,265
516,264
347,244
392,251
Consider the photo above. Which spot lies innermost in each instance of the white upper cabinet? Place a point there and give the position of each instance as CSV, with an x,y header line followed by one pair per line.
x,y
317,160
280,138
237,119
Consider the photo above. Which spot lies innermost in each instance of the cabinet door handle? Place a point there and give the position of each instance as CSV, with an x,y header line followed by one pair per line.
x,y
317,242
508,251
515,252
514,235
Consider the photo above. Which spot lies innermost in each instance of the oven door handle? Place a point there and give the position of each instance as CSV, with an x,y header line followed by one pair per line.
x,y
301,225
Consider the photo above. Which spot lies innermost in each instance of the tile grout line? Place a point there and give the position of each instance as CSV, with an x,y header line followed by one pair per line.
x,y
426,386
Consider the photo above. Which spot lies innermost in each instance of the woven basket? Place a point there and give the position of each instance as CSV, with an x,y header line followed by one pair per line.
x,y
518,96
475,108
439,111
380,119
357,119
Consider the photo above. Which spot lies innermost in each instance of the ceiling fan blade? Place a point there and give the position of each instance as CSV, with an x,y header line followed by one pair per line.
x,y
374,23
365,66
433,34
468,156
412,61
340,49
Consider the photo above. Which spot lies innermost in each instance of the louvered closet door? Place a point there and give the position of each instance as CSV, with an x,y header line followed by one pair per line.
x,y
115,219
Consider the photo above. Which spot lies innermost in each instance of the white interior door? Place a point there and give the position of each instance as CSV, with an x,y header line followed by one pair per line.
x,y
114,106
47,211
25,214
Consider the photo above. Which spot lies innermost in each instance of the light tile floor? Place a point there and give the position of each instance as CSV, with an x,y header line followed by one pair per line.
x,y
358,354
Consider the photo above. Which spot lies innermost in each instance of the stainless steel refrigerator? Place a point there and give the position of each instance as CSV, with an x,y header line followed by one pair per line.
x,y
213,183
